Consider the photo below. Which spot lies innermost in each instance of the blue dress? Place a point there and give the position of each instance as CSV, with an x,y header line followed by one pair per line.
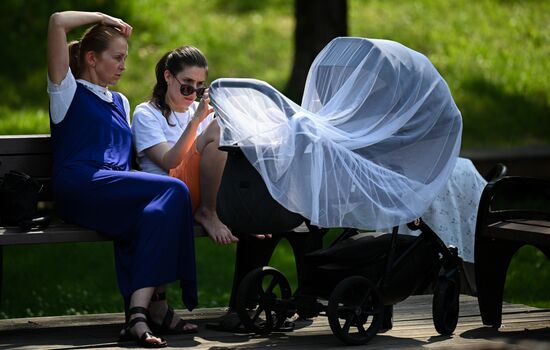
x,y
148,216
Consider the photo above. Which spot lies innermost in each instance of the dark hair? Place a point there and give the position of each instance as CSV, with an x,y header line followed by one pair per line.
x,y
96,39
174,61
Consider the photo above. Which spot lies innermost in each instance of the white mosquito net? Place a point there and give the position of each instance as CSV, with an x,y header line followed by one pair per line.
x,y
375,139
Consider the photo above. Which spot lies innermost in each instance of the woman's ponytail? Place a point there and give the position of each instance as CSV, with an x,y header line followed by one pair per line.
x,y
158,97
74,57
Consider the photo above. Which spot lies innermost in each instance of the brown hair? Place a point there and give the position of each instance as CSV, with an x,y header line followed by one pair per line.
x,y
174,61
96,39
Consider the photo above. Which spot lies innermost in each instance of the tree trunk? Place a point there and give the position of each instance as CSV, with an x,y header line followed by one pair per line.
x,y
317,23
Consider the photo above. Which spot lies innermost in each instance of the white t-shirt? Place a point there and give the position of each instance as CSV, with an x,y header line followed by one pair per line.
x,y
150,128
62,95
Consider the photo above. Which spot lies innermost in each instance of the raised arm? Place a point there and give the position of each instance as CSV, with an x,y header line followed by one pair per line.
x,y
63,22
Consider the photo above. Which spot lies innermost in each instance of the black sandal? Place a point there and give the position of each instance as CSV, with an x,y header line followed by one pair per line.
x,y
164,327
127,335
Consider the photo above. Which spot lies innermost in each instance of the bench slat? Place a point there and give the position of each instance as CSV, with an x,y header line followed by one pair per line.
x,y
55,233
25,144
58,233
526,231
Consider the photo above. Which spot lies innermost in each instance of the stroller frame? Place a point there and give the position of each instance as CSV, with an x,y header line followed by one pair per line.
x,y
357,306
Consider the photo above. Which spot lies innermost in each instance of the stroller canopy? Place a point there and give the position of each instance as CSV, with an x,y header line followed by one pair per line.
x,y
374,141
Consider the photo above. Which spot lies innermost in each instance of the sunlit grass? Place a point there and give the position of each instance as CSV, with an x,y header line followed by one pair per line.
x,y
68,279
493,54
24,121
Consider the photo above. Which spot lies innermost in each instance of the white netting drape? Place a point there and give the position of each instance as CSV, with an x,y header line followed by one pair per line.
x,y
375,139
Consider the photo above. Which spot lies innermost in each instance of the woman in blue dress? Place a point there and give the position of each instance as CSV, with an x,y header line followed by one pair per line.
x,y
148,216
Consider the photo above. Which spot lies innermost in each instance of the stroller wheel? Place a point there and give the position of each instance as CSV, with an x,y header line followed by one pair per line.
x,y
446,304
355,310
263,299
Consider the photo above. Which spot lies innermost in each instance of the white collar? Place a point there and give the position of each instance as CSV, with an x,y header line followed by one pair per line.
x,y
102,92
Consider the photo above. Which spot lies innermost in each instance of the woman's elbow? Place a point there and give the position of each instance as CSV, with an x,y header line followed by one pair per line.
x,y
55,20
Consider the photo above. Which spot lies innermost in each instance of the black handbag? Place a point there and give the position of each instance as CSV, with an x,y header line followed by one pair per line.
x,y
19,201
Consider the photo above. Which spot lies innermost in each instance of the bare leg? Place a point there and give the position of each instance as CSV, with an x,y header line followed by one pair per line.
x,y
141,298
211,170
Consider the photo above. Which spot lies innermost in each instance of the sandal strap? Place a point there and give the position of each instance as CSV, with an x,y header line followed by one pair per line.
x,y
137,310
181,323
135,320
168,317
159,296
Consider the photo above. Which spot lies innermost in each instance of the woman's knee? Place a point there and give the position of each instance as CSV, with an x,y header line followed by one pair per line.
x,y
171,192
172,202
210,136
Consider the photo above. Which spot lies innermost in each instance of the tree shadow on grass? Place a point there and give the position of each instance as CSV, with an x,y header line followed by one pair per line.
x,y
491,115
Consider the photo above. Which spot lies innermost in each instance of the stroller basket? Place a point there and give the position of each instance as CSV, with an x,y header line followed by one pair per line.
x,y
366,254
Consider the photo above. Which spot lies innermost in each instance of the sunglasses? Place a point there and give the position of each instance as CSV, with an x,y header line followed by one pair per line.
x,y
186,89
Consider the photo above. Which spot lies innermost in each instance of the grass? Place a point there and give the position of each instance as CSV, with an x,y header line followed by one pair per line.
x,y
493,54
24,121
528,278
70,279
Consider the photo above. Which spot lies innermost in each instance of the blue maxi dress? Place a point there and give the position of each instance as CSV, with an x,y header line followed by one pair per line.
x,y
148,216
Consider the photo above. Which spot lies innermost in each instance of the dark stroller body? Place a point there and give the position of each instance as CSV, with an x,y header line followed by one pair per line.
x,y
352,282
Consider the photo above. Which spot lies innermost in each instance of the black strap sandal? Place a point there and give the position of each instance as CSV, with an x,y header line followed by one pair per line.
x,y
127,335
164,327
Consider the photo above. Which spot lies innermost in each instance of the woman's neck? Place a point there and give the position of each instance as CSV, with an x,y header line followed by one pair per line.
x,y
175,107
92,78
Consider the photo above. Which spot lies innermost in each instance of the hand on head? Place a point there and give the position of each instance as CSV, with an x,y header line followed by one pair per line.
x,y
122,26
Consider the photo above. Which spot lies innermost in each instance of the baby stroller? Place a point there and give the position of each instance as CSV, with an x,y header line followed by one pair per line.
x,y
343,159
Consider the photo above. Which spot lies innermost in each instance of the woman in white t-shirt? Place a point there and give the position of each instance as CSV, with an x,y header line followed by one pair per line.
x,y
175,135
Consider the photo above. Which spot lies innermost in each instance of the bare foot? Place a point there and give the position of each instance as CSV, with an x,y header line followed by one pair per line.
x,y
214,227
139,329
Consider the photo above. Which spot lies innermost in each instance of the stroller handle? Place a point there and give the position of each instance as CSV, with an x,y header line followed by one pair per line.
x,y
258,85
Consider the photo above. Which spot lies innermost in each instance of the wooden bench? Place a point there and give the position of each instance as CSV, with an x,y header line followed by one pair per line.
x,y
513,211
32,154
